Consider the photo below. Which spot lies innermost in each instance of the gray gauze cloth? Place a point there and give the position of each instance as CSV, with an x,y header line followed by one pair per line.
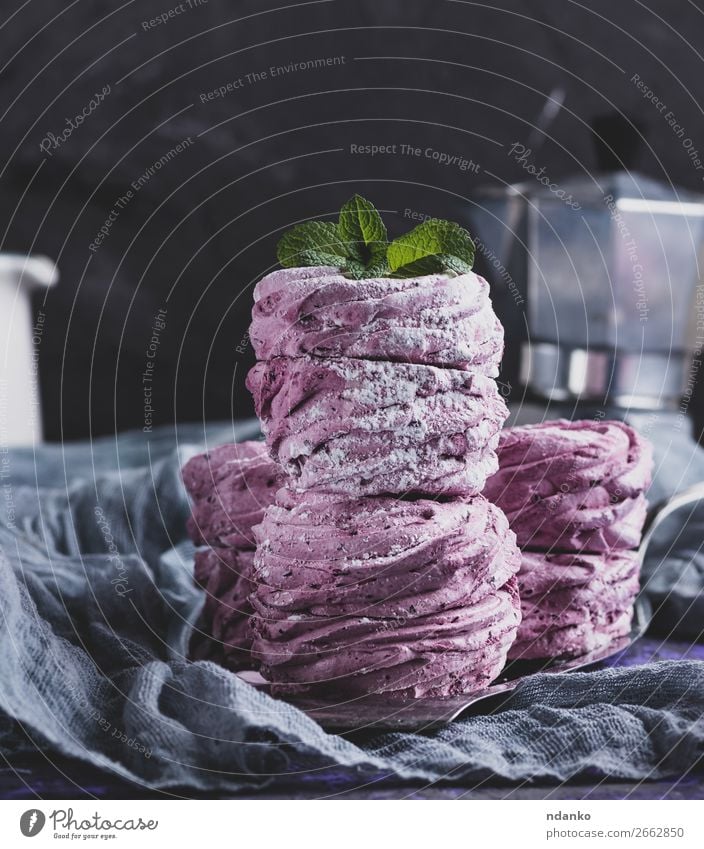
x,y
98,603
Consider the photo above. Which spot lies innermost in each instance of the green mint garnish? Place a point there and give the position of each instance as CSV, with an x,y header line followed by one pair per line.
x,y
361,227
432,246
312,243
358,245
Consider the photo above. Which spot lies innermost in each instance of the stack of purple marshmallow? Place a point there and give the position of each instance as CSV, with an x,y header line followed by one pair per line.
x,y
574,494
379,567
230,487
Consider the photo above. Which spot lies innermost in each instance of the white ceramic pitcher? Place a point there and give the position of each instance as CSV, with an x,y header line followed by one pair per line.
x,y
20,340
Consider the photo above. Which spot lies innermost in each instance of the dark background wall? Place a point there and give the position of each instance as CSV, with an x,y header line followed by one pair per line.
x,y
465,78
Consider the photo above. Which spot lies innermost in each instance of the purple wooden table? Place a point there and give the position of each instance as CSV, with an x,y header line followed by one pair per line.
x,y
42,776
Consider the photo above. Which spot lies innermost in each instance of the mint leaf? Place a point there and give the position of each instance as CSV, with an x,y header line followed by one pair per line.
x,y
433,264
312,243
358,245
310,258
361,228
378,264
356,269
432,246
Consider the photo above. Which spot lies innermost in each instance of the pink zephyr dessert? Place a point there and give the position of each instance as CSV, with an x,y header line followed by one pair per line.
x,y
368,428
574,493
223,631
573,485
231,487
574,603
436,319
358,595
369,389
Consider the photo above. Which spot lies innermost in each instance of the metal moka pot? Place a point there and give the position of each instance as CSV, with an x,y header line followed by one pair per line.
x,y
597,282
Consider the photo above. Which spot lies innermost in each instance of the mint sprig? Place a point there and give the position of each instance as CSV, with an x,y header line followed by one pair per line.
x,y
362,228
312,243
433,246
358,245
